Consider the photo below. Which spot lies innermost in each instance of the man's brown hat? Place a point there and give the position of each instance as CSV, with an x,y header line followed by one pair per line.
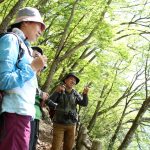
x,y
71,75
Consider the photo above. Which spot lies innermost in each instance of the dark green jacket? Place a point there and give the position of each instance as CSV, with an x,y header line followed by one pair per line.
x,y
37,105
66,111
38,114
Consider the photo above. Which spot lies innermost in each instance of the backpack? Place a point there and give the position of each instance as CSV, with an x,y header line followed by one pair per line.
x,y
20,55
51,112
51,108
1,98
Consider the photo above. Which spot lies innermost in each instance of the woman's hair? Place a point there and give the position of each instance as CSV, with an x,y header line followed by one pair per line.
x,y
17,25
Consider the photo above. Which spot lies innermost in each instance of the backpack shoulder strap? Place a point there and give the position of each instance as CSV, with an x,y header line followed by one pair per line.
x,y
2,34
21,50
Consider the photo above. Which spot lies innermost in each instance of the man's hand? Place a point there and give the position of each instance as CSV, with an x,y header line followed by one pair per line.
x,y
60,88
44,97
86,90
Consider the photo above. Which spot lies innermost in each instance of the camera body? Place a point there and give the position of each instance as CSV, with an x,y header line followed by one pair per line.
x,y
71,115
37,51
44,68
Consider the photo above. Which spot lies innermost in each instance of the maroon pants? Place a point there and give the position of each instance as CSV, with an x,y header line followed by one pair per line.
x,y
15,132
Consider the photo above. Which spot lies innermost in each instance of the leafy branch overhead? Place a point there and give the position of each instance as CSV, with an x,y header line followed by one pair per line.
x,y
106,43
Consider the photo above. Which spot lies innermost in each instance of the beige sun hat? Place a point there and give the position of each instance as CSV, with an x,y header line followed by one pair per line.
x,y
29,14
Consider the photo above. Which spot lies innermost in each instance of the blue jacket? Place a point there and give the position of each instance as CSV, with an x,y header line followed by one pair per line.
x,y
19,83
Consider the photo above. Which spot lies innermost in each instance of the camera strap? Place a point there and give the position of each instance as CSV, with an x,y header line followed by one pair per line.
x,y
69,100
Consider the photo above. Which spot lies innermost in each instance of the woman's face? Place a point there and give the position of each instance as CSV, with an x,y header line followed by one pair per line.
x,y
32,30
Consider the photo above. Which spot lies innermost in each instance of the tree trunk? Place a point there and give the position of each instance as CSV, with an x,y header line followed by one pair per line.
x,y
83,140
96,145
8,18
1,1
69,52
50,75
128,138
93,120
113,139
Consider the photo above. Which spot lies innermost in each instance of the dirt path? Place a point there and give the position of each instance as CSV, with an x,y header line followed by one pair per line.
x,y
45,135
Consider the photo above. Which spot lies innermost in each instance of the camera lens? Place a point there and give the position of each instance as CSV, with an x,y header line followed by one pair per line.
x,y
44,68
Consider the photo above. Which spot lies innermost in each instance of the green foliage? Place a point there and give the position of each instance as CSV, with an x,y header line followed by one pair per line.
x,y
120,45
4,9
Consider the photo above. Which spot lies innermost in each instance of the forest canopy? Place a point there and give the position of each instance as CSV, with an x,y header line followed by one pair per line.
x,y
107,44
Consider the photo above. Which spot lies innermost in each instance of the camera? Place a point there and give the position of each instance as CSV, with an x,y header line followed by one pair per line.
x,y
71,115
45,66
37,51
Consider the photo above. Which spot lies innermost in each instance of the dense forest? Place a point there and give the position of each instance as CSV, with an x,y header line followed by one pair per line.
x,y
107,44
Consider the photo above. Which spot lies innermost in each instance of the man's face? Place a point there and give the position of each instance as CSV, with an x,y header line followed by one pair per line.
x,y
70,82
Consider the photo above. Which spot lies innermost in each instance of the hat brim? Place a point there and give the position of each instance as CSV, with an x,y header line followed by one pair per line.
x,y
71,75
38,49
31,19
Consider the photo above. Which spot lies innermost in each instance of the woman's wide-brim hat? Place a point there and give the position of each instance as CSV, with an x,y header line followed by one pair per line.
x,y
29,14
71,75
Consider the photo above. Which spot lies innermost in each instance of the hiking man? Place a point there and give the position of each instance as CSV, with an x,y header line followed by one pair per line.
x,y
65,117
